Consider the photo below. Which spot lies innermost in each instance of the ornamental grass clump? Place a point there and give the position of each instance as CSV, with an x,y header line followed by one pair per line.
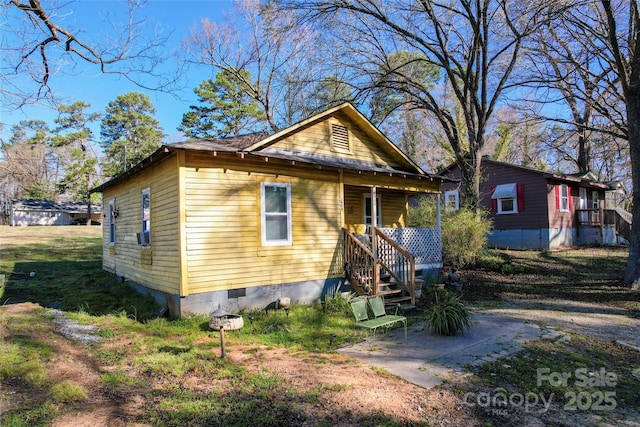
x,y
446,314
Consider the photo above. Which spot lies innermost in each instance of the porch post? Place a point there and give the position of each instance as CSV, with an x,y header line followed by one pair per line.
x,y
374,217
438,212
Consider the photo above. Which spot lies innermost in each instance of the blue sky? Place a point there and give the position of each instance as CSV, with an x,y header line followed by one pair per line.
x,y
98,89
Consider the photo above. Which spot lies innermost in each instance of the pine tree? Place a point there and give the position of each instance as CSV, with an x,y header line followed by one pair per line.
x,y
226,111
129,131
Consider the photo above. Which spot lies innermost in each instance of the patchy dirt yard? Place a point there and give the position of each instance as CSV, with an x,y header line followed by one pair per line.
x,y
338,390
138,375
331,389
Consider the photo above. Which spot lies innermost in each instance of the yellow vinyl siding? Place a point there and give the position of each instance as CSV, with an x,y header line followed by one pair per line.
x,y
206,212
316,139
223,223
156,267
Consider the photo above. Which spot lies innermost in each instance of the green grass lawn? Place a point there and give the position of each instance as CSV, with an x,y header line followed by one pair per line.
x,y
61,267
139,348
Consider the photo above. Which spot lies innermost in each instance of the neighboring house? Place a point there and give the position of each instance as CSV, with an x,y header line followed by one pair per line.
x,y
42,212
242,222
533,209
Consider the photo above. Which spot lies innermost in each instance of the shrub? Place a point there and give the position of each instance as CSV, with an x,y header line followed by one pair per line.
x,y
338,303
464,232
447,315
433,294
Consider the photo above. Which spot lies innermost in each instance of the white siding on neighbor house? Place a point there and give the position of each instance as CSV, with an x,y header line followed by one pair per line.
x,y
26,218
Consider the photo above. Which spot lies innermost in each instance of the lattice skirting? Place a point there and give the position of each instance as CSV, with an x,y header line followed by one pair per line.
x,y
425,244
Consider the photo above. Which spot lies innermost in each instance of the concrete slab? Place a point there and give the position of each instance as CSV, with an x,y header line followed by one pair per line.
x,y
425,359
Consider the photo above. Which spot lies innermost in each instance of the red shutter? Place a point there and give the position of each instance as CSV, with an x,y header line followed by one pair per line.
x,y
557,197
520,196
494,202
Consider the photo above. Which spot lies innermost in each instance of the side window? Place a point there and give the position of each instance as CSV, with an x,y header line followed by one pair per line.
x,y
564,198
507,198
145,230
113,214
275,209
507,205
451,200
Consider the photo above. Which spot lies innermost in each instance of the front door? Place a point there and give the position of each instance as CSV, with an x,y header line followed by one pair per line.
x,y
368,214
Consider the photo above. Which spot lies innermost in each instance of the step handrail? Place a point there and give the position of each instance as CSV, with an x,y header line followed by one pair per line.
x,y
403,259
367,261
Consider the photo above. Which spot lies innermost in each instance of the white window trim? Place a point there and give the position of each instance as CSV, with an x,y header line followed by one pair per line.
x,y
112,222
263,217
595,200
145,192
515,206
456,204
564,198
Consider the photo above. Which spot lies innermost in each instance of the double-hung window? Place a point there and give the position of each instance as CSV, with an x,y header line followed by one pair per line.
x,y
145,234
276,213
112,221
564,198
451,200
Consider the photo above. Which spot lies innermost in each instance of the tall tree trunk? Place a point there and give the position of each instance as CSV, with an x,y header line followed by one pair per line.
x,y
632,276
89,211
471,177
584,146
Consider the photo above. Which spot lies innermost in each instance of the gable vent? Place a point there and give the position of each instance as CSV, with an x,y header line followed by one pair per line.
x,y
340,137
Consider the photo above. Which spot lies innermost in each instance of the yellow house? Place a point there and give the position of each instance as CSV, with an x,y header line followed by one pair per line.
x,y
245,221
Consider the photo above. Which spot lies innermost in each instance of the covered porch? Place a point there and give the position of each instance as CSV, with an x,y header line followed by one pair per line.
x,y
382,255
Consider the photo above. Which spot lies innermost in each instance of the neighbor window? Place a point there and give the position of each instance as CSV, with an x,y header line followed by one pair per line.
x,y
504,199
564,198
145,235
368,214
451,200
276,214
112,222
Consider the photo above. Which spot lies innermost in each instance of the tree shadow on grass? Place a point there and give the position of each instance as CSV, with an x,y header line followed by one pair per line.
x,y
76,286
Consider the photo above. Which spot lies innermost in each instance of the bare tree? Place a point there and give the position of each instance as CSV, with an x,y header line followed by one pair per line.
x,y
592,63
567,73
619,32
474,45
40,43
27,167
278,53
